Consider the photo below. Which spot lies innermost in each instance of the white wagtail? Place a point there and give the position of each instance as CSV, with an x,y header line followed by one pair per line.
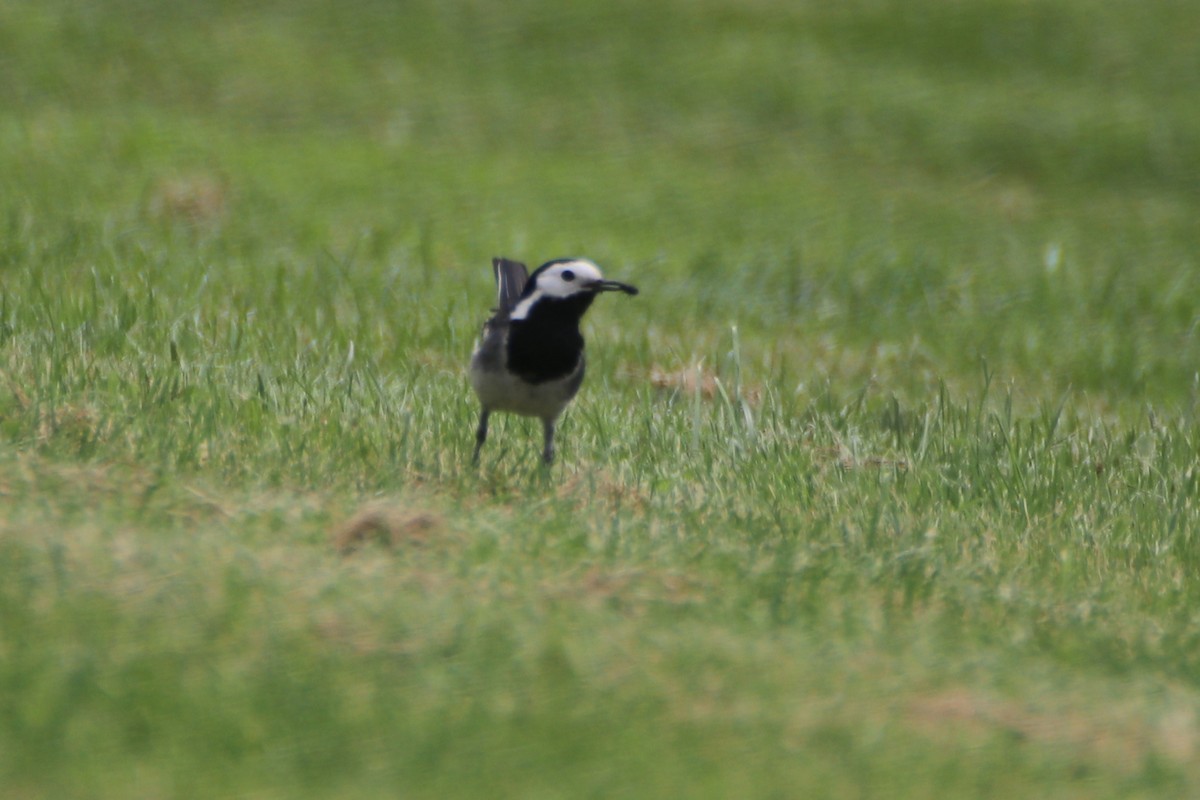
x,y
529,359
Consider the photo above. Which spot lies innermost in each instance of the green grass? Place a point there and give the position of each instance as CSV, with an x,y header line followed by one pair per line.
x,y
886,484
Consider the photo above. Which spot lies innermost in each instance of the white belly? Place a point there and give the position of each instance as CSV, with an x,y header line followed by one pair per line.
x,y
500,391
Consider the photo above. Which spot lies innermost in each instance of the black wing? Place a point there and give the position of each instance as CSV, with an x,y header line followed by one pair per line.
x,y
510,282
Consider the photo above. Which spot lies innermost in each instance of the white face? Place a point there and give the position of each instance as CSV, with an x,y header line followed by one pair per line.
x,y
560,280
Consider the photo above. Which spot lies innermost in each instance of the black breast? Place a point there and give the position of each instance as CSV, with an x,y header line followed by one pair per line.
x,y
547,344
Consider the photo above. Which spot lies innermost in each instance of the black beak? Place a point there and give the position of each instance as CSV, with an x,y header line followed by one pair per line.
x,y
612,286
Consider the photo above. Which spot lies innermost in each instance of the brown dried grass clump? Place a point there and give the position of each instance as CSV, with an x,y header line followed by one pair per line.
x,y
688,380
696,379
388,524
1117,736
194,199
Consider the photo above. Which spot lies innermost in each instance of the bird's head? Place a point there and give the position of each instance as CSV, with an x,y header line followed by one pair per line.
x,y
566,279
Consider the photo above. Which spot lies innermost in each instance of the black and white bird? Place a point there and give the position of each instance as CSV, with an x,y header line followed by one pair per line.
x,y
529,359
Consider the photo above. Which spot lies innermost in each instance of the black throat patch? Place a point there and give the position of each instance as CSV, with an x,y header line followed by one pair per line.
x,y
547,344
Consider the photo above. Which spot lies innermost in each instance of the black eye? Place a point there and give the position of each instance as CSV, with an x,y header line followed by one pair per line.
x,y
567,275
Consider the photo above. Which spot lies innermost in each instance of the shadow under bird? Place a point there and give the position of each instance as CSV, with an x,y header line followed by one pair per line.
x,y
529,359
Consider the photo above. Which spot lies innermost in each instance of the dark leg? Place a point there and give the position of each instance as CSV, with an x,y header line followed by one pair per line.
x,y
548,437
480,435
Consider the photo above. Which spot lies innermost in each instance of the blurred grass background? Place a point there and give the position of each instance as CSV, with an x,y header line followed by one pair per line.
x,y
883,486
925,180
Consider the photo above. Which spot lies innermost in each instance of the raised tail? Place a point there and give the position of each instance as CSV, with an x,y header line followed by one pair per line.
x,y
510,282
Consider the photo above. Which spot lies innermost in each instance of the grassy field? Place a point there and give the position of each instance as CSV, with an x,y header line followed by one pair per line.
x,y
885,486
